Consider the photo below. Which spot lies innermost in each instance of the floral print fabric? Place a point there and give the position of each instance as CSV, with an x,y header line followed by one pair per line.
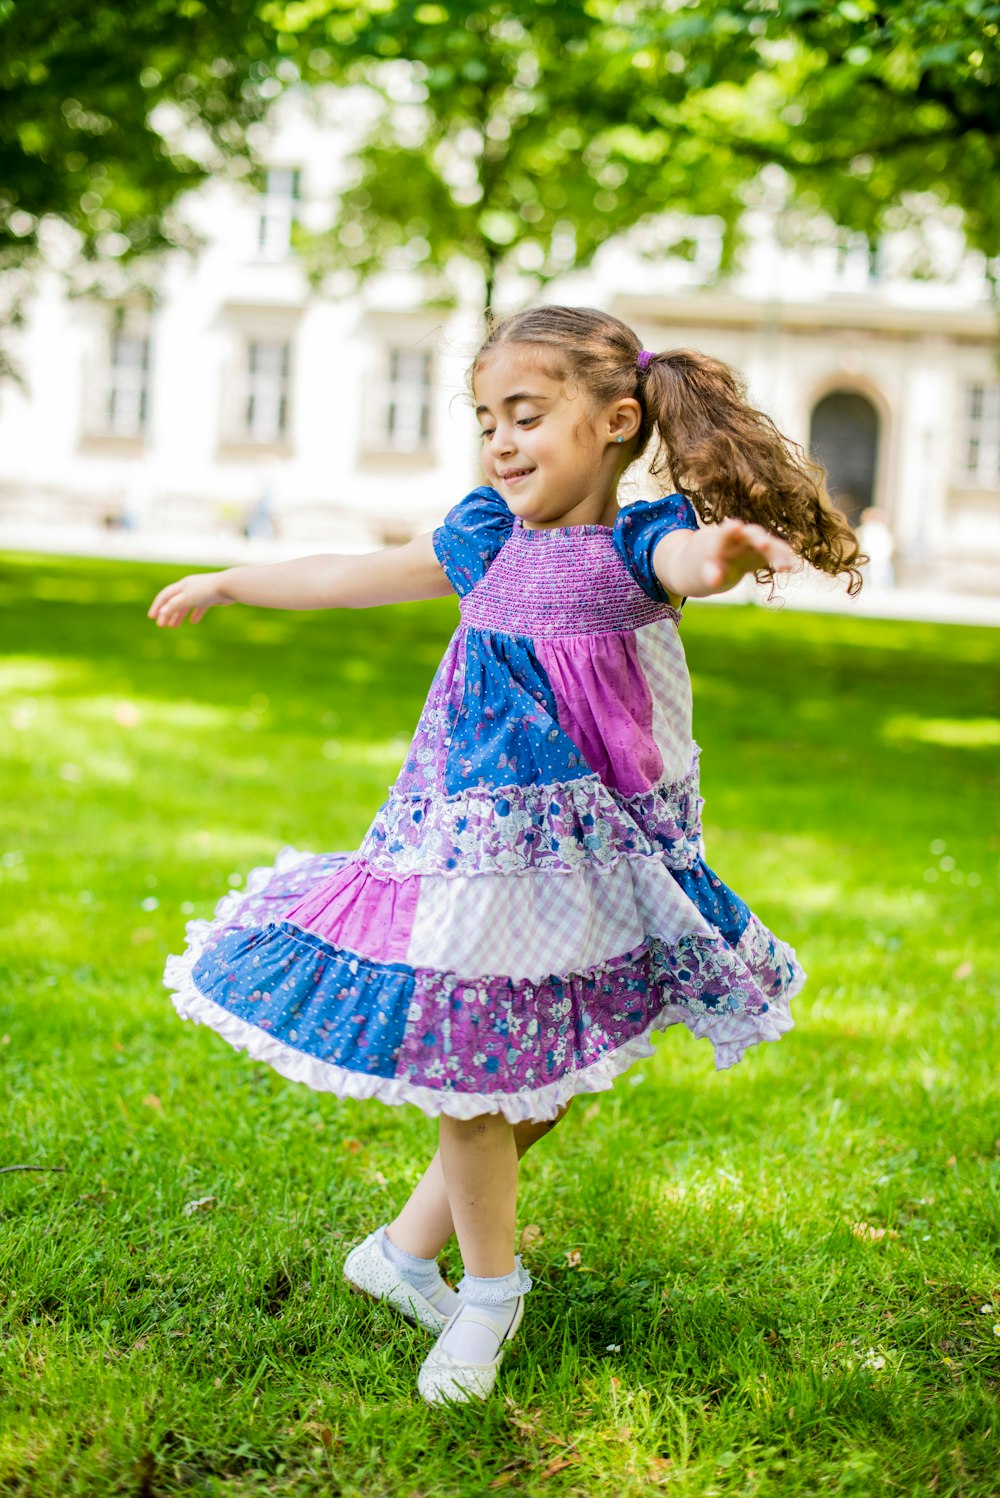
x,y
554,749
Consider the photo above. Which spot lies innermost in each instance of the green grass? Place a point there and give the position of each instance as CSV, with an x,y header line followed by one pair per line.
x,y
782,1267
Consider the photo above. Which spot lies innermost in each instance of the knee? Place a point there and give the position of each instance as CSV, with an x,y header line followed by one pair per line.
x,y
527,1134
474,1131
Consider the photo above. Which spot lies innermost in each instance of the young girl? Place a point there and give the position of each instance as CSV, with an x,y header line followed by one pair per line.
x,y
531,902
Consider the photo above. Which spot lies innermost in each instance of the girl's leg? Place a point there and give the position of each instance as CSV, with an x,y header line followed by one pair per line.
x,y
479,1162
425,1223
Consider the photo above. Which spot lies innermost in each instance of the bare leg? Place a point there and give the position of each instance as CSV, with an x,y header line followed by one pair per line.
x,y
425,1223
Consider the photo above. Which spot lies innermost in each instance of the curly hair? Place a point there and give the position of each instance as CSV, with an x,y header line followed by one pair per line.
x,y
726,456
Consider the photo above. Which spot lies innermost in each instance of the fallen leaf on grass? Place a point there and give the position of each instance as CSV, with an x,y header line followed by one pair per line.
x,y
572,1258
325,1434
556,1465
200,1204
964,970
152,1101
529,1235
871,1234
524,1422
352,1146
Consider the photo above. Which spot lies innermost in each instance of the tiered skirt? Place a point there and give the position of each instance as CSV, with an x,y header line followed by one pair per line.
x,y
489,952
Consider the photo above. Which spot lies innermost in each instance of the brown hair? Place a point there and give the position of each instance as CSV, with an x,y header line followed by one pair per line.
x,y
727,457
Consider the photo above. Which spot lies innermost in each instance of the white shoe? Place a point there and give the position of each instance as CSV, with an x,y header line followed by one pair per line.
x,y
368,1271
443,1378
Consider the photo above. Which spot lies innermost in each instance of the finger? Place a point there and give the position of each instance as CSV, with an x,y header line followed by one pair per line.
x,y
779,554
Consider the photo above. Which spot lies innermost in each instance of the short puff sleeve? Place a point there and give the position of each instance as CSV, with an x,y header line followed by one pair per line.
x,y
640,528
470,538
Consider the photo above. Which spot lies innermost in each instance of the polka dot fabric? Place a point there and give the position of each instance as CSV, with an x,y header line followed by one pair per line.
x,y
532,901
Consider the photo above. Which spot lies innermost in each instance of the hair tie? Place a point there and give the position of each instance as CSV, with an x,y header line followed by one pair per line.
x,y
645,359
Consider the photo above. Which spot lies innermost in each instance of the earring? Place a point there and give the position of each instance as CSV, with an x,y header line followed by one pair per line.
x,y
621,439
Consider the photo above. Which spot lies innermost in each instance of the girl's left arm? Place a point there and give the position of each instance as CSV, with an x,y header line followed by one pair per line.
x,y
396,574
712,559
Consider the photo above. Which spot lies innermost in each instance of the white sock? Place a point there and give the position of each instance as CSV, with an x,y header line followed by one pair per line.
x,y
486,1310
421,1274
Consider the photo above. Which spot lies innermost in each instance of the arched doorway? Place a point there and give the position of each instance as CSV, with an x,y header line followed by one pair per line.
x,y
843,436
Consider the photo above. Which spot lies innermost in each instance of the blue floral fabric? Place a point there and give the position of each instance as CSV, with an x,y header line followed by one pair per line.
x,y
473,532
507,730
293,973
640,528
716,901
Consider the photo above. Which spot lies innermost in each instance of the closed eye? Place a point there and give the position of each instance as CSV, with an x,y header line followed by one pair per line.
x,y
523,421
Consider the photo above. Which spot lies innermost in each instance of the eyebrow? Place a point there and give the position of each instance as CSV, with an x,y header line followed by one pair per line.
x,y
512,400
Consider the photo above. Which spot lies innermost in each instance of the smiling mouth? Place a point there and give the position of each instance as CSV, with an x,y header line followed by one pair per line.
x,y
509,474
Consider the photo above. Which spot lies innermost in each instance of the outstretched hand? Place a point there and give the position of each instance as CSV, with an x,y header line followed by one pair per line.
x,y
736,548
195,595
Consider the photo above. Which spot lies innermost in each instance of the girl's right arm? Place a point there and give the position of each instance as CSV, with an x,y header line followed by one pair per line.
x,y
397,574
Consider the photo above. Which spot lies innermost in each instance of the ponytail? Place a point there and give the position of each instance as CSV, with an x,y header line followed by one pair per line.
x,y
728,458
731,460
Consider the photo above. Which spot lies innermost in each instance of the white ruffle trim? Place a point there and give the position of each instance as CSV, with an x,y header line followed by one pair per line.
x,y
731,1034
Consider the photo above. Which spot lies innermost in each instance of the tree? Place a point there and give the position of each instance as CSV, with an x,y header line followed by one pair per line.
x,y
522,136
869,105
87,90
519,137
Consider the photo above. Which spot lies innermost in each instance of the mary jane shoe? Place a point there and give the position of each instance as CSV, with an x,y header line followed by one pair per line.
x,y
443,1379
370,1273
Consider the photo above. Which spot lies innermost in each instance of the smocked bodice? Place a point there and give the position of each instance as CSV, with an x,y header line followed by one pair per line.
x,y
565,581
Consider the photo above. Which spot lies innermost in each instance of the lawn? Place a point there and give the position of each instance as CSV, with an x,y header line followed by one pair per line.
x,y
781,1279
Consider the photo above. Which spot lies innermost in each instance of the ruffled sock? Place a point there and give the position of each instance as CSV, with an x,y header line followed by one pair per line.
x,y
486,1309
420,1274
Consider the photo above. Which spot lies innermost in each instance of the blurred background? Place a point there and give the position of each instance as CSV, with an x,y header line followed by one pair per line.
x,y
245,254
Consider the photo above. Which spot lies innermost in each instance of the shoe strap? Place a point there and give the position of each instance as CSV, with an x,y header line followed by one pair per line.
x,y
475,1314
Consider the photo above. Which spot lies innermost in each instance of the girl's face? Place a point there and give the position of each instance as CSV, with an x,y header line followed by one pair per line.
x,y
547,449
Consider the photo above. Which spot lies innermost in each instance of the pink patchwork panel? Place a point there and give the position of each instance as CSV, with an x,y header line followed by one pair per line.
x,y
359,912
605,706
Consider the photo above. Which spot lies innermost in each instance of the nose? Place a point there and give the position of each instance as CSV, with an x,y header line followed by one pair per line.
x,y
503,438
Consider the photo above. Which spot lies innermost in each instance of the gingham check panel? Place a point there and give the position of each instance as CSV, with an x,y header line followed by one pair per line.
x,y
538,924
661,656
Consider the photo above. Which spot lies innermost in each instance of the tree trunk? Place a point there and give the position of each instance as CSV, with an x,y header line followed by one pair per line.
x,y
489,285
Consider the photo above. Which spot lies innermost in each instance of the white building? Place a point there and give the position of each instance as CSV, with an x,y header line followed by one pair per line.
x,y
243,402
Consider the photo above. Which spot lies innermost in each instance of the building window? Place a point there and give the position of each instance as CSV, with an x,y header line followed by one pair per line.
x,y
857,262
401,410
264,413
278,212
979,459
127,390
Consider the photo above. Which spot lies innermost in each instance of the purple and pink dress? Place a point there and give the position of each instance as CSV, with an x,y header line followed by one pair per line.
x,y
531,902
